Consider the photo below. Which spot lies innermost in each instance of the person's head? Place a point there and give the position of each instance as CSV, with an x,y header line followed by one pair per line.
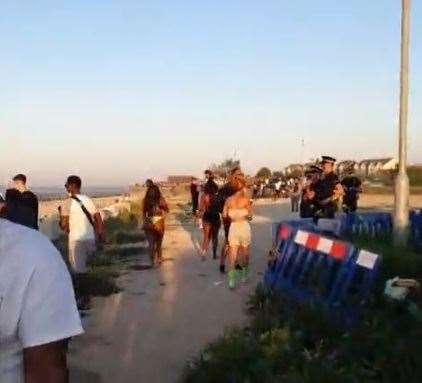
x,y
149,183
19,182
328,164
236,171
239,185
210,187
208,174
73,185
152,198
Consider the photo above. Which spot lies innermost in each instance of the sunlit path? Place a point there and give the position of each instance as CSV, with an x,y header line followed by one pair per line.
x,y
163,318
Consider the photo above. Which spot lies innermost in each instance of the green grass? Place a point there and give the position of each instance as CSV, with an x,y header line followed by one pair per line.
x,y
286,342
104,268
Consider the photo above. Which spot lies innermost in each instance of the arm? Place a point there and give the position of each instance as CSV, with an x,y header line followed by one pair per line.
x,y
202,205
250,210
99,226
226,210
163,205
46,363
49,317
64,213
64,223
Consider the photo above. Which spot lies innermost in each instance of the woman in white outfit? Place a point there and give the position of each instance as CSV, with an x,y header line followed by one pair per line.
x,y
238,209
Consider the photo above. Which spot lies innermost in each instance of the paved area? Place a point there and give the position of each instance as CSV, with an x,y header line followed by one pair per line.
x,y
164,317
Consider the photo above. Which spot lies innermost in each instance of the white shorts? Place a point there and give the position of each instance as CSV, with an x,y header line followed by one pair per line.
x,y
240,234
79,253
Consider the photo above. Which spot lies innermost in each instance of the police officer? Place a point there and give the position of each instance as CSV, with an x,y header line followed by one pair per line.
x,y
307,202
327,190
352,187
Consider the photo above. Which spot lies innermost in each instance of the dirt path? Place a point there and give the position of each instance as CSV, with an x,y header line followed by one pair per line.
x,y
164,317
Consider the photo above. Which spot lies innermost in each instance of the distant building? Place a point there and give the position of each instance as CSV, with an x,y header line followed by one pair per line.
x,y
347,166
364,168
373,167
179,179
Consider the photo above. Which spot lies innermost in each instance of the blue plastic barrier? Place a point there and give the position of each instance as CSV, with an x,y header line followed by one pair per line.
x,y
416,228
372,224
324,271
281,234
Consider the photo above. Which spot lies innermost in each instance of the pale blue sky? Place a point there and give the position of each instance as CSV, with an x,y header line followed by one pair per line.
x,y
119,90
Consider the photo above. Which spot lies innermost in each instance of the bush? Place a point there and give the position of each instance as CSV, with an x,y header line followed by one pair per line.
x,y
290,342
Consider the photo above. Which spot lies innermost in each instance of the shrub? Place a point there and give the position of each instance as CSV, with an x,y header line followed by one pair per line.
x,y
290,342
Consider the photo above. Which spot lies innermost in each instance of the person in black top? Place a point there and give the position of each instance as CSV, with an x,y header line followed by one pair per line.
x,y
326,190
194,191
209,211
352,188
22,204
307,202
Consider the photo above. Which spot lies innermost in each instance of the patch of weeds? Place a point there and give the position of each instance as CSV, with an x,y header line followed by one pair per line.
x,y
122,237
99,281
124,252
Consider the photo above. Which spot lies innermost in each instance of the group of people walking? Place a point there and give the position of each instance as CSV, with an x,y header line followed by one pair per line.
x,y
228,206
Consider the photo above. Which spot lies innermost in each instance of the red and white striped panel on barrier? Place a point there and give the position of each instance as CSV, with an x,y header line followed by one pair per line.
x,y
283,232
312,241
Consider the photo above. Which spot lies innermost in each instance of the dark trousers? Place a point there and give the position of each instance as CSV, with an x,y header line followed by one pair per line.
x,y
195,202
295,204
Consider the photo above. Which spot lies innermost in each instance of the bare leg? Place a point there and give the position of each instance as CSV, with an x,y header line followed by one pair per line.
x,y
151,244
160,248
244,262
206,239
233,255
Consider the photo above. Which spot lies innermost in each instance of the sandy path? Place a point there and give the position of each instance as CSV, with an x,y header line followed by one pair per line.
x,y
165,317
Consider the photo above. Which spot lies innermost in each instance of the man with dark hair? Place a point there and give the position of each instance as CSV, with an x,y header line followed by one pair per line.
x,y
81,220
325,189
307,202
37,308
208,175
22,204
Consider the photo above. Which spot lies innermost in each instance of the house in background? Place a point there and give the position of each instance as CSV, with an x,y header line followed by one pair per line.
x,y
372,167
347,166
364,168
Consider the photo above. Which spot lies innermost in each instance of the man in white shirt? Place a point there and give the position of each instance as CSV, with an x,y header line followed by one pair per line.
x,y
37,308
81,220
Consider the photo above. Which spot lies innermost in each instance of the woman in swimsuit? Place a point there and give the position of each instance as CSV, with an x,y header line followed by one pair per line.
x,y
211,220
154,211
238,209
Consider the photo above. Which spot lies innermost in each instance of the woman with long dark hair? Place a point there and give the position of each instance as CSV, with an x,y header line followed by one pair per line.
x,y
154,211
211,220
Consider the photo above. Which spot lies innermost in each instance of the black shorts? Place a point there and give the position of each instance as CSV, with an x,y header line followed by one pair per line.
x,y
212,219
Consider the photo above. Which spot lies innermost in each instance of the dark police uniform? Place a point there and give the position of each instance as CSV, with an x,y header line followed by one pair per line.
x,y
307,204
324,190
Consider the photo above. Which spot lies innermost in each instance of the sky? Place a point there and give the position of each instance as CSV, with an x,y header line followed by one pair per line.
x,y
117,91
